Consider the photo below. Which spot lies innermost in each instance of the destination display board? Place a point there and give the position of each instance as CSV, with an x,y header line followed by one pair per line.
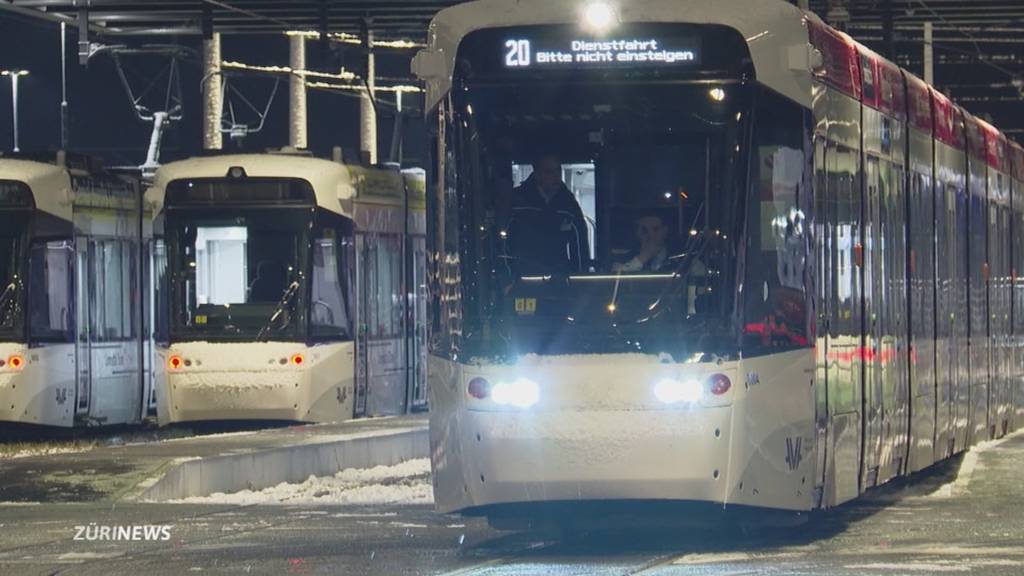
x,y
634,50
570,52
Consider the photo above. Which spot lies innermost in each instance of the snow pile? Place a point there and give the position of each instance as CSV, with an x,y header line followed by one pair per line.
x,y
405,483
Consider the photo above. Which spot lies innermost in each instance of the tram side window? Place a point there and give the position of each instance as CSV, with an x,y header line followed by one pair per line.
x,y
160,293
113,268
777,242
51,282
382,269
329,316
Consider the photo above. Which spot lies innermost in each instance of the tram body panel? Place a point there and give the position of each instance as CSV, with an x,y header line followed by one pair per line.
x,y
922,300
837,208
951,165
1017,350
772,461
107,223
42,391
999,263
977,176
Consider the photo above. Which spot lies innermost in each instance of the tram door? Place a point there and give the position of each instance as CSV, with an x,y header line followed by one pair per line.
x,y
418,340
83,344
380,342
876,341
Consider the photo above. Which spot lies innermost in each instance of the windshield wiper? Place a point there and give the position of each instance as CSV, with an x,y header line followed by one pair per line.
x,y
6,299
286,299
8,292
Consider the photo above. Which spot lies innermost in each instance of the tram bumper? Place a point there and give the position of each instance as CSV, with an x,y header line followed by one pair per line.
x,y
239,396
254,381
521,458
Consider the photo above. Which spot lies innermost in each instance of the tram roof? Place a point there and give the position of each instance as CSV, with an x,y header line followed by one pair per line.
x,y
771,29
332,182
50,184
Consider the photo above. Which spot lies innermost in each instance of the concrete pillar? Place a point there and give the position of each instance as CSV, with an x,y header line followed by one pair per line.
x,y
213,94
14,102
298,120
929,55
367,110
65,122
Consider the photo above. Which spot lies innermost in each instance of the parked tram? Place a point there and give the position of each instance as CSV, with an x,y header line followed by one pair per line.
x,y
73,345
705,251
282,289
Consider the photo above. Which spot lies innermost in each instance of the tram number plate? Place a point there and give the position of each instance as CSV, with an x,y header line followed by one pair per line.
x,y
526,306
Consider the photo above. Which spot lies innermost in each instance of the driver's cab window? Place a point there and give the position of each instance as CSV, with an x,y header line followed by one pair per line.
x,y
632,209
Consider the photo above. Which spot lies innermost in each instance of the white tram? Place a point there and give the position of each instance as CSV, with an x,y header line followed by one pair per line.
x,y
261,314
73,350
803,274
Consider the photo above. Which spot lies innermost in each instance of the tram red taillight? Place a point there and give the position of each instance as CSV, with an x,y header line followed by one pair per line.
x,y
298,359
479,388
719,384
16,362
175,362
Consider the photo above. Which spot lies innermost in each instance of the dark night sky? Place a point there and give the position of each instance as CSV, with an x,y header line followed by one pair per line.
x,y
103,122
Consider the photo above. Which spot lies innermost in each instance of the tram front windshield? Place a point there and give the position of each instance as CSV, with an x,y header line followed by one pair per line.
x,y
13,228
10,284
606,211
238,274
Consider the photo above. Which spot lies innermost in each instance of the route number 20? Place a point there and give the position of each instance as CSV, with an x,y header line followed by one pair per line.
x,y
518,55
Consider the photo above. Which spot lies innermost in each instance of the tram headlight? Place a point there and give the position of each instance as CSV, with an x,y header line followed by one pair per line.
x,y
671,391
599,16
519,393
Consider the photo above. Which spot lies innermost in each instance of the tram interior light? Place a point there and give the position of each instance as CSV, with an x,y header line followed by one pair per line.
x,y
599,17
520,393
671,391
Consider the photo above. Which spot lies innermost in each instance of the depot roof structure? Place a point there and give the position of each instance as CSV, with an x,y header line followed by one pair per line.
x,y
979,50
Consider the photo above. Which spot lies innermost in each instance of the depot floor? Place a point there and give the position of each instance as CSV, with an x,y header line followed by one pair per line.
x,y
925,526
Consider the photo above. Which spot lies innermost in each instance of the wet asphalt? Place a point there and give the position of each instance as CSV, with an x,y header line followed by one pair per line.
x,y
908,527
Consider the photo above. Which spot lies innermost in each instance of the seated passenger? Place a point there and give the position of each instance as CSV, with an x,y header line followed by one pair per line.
x,y
547,226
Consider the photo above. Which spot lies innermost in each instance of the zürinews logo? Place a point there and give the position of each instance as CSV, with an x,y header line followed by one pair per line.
x,y
141,533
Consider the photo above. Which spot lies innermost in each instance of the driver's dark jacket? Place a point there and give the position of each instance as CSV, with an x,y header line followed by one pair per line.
x,y
540,231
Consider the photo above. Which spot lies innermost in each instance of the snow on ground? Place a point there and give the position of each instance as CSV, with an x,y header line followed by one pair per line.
x,y
967,467
405,483
44,451
67,442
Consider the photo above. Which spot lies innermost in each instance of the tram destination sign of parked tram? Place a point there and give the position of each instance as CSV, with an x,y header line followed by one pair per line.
x,y
533,51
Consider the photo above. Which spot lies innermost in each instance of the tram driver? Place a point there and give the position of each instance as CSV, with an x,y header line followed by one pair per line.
x,y
652,232
548,229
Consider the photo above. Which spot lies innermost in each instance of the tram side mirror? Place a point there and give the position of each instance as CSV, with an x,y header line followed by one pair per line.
x,y
804,57
428,65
